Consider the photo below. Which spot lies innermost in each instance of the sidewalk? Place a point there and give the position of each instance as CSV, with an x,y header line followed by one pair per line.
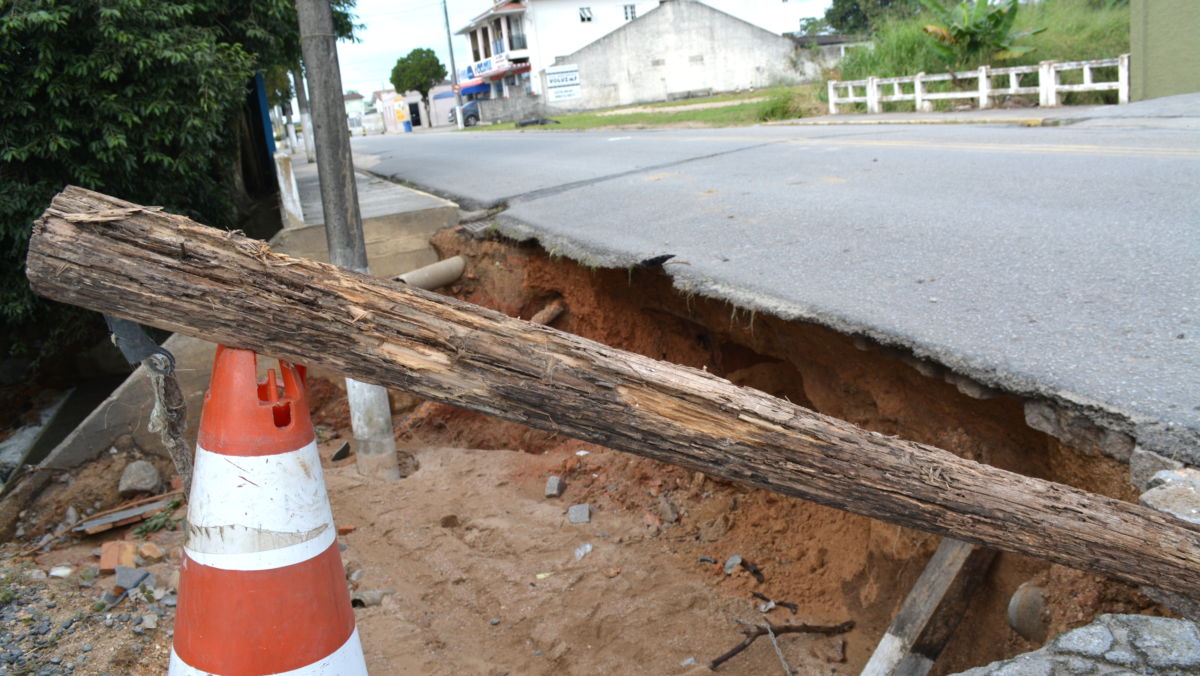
x,y
397,225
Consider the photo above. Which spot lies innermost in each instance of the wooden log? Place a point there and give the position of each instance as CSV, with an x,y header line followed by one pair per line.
x,y
931,611
113,256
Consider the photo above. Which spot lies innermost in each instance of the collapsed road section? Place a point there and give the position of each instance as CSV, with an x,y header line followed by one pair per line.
x,y
457,354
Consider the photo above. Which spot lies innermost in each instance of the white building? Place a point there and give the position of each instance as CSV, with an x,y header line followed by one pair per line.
x,y
515,40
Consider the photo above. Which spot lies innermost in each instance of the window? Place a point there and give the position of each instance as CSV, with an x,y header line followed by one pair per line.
x,y
585,14
630,12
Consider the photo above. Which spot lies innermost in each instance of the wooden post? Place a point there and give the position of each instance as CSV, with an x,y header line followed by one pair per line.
x,y
931,612
167,271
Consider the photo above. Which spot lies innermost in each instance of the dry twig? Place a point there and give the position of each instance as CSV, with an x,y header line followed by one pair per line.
x,y
753,631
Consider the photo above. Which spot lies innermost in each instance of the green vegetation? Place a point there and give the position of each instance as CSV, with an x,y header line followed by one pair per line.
x,y
861,16
138,99
1063,30
976,30
741,109
1074,30
160,521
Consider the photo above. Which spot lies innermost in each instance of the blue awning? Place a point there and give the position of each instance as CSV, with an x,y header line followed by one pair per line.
x,y
474,89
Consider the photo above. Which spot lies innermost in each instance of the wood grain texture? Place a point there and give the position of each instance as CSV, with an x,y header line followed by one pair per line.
x,y
168,271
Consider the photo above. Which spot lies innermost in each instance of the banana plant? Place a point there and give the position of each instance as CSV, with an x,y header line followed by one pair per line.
x,y
976,30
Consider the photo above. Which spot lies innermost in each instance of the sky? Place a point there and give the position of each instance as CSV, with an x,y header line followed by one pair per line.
x,y
393,28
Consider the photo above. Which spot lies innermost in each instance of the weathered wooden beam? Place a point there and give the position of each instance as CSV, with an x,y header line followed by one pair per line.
x,y
113,256
931,611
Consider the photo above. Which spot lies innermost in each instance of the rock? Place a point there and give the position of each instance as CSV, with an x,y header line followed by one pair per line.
x,y
116,553
35,574
1093,640
139,477
61,571
494,621
732,563
1143,465
132,578
667,510
1025,612
72,517
831,650
1166,642
581,513
554,486
151,552
1174,493
150,621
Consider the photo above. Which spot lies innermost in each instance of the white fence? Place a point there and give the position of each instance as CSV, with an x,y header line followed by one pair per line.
x,y
1049,88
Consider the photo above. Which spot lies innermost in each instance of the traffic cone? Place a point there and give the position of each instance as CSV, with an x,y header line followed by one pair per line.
x,y
261,589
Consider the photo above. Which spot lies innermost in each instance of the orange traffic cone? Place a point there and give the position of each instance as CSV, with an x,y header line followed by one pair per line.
x,y
262,589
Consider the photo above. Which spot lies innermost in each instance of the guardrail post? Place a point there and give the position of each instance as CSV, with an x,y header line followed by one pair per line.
x,y
985,87
1047,85
873,104
922,105
1123,78
833,97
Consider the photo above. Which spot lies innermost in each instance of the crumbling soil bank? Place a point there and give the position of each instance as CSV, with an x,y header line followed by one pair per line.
x,y
835,565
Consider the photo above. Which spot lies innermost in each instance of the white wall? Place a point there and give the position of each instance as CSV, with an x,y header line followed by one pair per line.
x,y
680,47
553,28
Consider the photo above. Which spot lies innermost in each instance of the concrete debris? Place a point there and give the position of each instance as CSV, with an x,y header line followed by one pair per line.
x,y
554,486
139,477
732,564
1143,465
1077,431
581,513
1175,492
1112,644
131,578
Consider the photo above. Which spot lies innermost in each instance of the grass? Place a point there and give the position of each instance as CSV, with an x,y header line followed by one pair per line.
x,y
1076,30
779,103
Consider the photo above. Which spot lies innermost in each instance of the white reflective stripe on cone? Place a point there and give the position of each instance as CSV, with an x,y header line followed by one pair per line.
x,y
290,521
345,661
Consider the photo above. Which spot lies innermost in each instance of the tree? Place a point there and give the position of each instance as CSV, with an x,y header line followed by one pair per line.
x,y
860,16
975,31
136,99
419,71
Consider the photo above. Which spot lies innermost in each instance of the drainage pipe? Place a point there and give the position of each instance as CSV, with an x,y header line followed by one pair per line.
x,y
434,275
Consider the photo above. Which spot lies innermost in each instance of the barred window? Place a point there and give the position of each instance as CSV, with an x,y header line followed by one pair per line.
x,y
630,12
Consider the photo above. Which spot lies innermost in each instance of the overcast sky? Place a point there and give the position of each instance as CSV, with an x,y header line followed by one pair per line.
x,y
393,28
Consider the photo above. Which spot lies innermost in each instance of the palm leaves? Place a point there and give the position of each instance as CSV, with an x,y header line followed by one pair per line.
x,y
976,30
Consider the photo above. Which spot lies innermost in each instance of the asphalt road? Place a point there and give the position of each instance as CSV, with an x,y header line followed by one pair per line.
x,y
1061,262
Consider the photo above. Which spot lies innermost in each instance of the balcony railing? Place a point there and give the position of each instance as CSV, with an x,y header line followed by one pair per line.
x,y
518,42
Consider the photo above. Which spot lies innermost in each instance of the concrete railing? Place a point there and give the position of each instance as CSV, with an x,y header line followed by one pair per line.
x,y
876,91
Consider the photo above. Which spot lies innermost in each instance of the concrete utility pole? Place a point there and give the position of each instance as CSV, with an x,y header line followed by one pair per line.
x,y
305,117
370,412
453,70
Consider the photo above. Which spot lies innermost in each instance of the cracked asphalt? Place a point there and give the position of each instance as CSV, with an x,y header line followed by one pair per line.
x,y
1057,262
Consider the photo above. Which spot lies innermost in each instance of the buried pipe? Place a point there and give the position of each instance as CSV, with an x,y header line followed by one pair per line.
x,y
434,275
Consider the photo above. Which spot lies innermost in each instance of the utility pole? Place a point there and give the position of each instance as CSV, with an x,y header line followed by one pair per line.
x,y
370,412
453,69
305,117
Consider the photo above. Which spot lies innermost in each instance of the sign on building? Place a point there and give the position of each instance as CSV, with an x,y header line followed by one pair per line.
x,y
562,83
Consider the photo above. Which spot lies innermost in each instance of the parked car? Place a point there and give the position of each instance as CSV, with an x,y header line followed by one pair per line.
x,y
470,114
